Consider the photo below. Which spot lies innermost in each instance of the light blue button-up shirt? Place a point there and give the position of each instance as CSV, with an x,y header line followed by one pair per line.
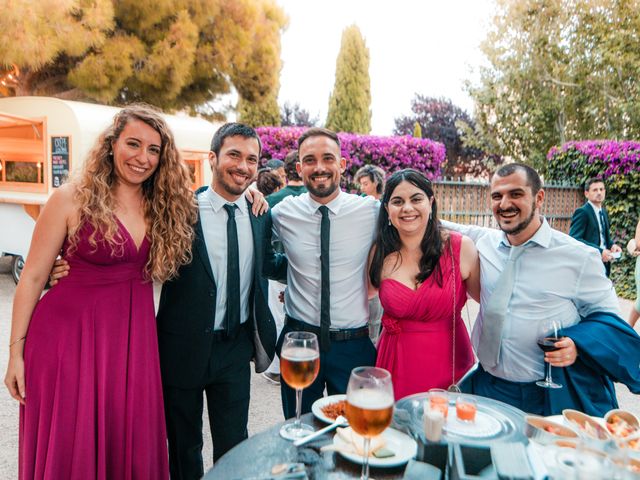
x,y
556,276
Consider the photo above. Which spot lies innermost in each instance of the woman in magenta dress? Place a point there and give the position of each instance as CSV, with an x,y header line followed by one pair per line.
x,y
421,271
84,359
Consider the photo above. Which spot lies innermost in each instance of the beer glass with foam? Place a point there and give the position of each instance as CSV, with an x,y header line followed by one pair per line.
x,y
299,366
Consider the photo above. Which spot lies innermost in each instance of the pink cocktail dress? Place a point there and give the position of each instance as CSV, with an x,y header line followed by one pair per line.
x,y
416,344
93,390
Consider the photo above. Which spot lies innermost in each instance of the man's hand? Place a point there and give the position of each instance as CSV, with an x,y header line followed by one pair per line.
x,y
616,248
607,256
565,355
60,270
259,203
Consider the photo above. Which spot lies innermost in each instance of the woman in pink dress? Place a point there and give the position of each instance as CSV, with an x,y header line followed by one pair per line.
x,y
423,274
84,359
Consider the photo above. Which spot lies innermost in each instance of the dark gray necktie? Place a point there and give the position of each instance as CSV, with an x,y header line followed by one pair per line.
x,y
325,288
496,311
232,317
603,228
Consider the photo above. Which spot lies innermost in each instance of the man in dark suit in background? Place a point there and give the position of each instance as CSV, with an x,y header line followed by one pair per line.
x,y
214,317
590,223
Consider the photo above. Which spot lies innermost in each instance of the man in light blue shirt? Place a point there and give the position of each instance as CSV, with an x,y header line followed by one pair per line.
x,y
555,276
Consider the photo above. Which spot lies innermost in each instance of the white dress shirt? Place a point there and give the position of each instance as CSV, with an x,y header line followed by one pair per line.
x,y
556,276
296,223
597,210
213,218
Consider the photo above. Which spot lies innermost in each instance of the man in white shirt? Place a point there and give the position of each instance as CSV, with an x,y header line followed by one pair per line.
x,y
590,223
331,301
553,276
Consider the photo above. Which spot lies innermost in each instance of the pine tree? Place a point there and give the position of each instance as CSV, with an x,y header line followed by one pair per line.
x,y
350,101
417,130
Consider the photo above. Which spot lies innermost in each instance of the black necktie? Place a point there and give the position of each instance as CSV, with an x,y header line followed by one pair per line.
x,y
232,319
603,229
325,289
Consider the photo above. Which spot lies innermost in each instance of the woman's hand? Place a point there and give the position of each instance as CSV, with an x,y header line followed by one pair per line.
x,y
260,204
60,270
14,379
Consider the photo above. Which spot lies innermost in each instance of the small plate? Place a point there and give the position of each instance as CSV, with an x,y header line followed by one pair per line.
x,y
316,408
404,447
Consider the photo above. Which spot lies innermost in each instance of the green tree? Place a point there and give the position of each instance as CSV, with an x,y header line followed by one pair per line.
x,y
172,53
262,113
559,70
350,101
417,130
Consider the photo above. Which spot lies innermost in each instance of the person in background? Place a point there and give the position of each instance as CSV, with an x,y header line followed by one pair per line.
x,y
326,235
423,273
635,311
268,182
277,167
590,223
531,272
293,188
84,358
371,180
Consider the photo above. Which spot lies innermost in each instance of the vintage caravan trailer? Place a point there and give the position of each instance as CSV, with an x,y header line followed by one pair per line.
x,y
42,139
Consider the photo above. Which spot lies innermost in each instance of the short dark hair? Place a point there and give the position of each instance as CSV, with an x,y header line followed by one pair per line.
x,y
274,164
533,179
268,181
591,181
375,174
233,129
318,132
290,166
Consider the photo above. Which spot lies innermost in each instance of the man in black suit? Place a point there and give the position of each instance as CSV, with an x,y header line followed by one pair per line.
x,y
590,223
214,317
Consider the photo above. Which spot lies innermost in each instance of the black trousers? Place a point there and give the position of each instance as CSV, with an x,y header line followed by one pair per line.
x,y
335,369
226,385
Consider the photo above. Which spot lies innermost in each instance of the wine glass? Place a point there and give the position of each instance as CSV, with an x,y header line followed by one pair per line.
x,y
369,406
549,332
299,366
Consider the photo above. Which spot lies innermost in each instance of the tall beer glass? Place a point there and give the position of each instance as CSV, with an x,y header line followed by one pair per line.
x,y
369,406
299,366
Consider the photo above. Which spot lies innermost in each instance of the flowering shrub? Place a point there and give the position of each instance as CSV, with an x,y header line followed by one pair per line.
x,y
389,153
618,165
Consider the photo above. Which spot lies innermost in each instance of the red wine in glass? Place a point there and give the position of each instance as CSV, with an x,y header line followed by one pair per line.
x,y
548,334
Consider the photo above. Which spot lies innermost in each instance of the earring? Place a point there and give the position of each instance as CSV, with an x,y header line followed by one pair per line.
x,y
389,221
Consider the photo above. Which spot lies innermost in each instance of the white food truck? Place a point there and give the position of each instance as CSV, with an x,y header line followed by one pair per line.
x,y
42,139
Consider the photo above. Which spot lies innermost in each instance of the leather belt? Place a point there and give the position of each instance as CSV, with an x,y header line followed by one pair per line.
x,y
335,334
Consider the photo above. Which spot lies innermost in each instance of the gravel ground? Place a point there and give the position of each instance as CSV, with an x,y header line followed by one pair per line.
x,y
265,409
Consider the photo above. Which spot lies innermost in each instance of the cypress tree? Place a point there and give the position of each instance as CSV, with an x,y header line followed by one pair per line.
x,y
350,101
417,130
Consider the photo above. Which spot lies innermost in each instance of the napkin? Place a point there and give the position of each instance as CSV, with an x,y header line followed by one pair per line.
x,y
355,442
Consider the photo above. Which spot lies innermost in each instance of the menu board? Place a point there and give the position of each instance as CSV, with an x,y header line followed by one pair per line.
x,y
59,160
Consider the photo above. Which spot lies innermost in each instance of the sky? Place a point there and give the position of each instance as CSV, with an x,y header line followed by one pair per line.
x,y
415,46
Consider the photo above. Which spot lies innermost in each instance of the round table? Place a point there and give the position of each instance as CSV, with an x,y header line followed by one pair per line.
x,y
255,456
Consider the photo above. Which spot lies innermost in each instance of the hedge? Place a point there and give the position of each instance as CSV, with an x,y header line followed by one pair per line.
x,y
618,165
389,153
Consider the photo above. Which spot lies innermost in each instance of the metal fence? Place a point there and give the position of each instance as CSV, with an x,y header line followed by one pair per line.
x,y
469,203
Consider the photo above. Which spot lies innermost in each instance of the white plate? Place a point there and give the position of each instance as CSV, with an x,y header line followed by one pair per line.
x,y
404,447
316,408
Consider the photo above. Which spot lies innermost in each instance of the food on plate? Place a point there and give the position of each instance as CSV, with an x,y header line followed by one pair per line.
x,y
545,431
333,410
586,424
354,444
621,424
634,444
553,429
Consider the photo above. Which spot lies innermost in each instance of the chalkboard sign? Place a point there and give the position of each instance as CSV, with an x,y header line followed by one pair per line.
x,y
59,160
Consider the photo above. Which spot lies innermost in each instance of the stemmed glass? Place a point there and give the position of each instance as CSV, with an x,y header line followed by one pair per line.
x,y
549,332
299,366
369,406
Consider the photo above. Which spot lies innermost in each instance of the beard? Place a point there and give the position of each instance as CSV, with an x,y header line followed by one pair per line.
x,y
516,229
322,191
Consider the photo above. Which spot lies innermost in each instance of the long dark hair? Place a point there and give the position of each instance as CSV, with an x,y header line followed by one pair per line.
x,y
388,240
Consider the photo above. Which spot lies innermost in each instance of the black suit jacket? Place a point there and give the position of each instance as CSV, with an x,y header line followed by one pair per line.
x,y
584,227
186,314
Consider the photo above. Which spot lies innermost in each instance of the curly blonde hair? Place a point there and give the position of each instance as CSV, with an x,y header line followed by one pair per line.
x,y
169,204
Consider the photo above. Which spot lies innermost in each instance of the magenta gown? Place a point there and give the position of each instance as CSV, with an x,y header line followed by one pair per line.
x,y
93,391
416,341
